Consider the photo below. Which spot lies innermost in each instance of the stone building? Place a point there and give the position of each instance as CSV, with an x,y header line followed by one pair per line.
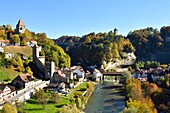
x,y
47,68
115,32
20,27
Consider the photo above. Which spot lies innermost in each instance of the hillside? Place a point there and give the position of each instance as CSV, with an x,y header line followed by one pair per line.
x,y
95,49
26,50
151,44
8,74
148,44
49,49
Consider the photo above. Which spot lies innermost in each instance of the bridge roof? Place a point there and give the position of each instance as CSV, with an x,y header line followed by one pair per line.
x,y
112,73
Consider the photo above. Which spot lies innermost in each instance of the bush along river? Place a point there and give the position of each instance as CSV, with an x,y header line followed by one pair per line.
x,y
107,98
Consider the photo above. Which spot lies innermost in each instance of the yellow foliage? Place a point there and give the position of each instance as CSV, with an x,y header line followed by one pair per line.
x,y
9,108
142,107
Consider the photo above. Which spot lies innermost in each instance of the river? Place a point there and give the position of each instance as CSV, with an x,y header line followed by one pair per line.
x,y
106,99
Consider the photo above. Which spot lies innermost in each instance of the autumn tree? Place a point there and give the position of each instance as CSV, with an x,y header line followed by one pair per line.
x,y
8,28
9,108
125,77
69,109
2,59
17,63
55,97
15,39
2,32
28,70
41,98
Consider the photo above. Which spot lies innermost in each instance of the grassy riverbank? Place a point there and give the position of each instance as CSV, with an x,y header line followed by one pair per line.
x,y
32,105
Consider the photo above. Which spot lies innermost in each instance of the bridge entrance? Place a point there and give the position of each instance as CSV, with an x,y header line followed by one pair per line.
x,y
114,76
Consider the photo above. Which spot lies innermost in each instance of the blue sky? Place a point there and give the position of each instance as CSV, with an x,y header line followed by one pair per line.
x,y
80,17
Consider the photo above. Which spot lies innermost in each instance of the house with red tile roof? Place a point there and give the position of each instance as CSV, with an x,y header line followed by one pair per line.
x,y
4,42
22,80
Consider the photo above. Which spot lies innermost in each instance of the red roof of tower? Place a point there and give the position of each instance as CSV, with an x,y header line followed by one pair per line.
x,y
20,22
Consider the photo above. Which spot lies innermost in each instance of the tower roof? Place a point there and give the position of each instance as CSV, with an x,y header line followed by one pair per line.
x,y
115,29
20,22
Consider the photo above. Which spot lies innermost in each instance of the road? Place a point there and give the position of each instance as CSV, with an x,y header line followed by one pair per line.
x,y
26,94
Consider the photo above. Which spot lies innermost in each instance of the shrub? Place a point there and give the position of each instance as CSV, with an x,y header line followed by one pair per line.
x,y
55,97
9,108
69,109
89,84
78,93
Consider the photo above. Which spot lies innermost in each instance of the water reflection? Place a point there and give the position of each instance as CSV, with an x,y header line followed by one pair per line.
x,y
107,98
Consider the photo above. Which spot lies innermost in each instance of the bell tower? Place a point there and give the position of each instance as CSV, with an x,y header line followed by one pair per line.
x,y
20,27
115,32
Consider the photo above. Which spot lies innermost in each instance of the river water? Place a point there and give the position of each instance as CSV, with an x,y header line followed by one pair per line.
x,y
107,98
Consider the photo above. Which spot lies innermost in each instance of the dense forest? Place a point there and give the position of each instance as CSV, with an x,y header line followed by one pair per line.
x,y
49,49
149,44
94,48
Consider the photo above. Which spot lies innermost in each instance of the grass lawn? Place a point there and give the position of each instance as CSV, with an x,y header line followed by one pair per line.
x,y
32,106
81,86
8,74
26,50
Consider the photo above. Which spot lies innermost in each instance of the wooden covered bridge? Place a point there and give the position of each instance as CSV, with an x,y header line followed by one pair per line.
x,y
116,75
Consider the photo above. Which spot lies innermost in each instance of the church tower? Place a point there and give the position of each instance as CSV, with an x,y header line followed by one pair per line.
x,y
49,70
115,32
20,27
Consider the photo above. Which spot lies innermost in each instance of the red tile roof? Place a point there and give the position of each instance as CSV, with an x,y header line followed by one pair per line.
x,y
26,77
20,22
5,41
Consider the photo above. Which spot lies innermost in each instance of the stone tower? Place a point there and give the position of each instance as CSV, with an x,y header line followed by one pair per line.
x,y
35,53
115,32
20,27
49,70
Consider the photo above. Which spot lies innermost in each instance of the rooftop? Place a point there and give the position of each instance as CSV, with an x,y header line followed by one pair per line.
x,y
20,22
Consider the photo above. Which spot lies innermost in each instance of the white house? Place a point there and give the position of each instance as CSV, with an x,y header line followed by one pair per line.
x,y
1,49
77,72
6,92
97,73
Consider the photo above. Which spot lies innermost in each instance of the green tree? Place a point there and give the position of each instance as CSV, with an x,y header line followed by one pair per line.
x,y
15,39
27,36
23,42
40,97
125,77
2,59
